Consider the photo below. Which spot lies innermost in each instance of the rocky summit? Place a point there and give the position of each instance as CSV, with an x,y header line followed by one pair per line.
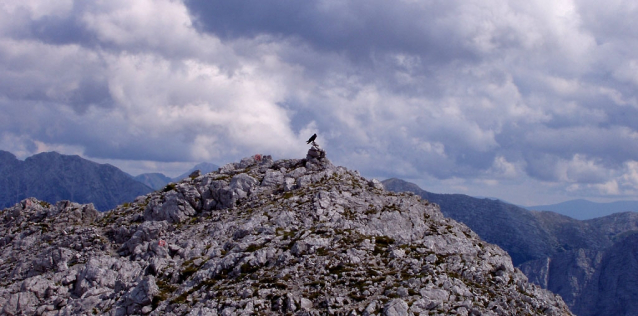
x,y
258,237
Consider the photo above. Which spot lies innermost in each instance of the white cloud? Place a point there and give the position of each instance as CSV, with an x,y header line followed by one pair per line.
x,y
629,177
481,92
37,8
608,188
582,170
154,94
504,168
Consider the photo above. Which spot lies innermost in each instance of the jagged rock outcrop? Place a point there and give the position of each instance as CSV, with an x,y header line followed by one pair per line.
x,y
53,177
297,236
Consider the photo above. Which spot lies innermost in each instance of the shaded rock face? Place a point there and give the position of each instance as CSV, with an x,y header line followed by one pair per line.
x,y
568,274
297,236
593,282
52,177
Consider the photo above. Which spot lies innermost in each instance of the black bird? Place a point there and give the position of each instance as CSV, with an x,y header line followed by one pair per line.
x,y
312,138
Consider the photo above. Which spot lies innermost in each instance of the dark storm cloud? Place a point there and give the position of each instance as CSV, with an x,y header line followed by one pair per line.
x,y
98,135
90,93
357,28
613,146
61,30
80,83
54,29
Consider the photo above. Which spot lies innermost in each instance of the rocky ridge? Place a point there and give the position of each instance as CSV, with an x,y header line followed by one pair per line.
x,y
297,236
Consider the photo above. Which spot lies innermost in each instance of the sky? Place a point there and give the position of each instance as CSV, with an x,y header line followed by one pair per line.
x,y
532,102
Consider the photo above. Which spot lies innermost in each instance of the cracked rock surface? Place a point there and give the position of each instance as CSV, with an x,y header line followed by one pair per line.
x,y
258,237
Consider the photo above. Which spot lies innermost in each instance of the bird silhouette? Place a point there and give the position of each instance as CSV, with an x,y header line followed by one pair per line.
x,y
312,138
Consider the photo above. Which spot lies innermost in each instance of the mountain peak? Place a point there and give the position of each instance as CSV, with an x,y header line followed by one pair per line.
x,y
51,154
294,236
204,167
5,155
51,176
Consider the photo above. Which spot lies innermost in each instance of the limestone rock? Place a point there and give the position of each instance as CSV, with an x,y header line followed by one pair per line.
x,y
296,236
195,174
396,307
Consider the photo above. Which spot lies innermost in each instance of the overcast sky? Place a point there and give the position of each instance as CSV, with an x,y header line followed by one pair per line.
x,y
533,102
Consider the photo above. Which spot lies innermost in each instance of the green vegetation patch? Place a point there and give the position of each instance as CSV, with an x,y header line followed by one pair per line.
x,y
165,290
247,268
190,268
383,241
169,187
340,269
253,247
322,251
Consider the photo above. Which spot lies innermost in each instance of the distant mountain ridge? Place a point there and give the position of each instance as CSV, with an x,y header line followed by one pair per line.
x,y
52,177
204,167
158,181
525,235
583,209
153,180
592,264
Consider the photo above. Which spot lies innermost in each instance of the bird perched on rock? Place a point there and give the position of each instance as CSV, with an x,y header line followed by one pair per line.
x,y
312,138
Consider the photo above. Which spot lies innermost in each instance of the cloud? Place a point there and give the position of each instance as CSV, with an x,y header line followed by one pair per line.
x,y
458,90
461,92
140,95
355,28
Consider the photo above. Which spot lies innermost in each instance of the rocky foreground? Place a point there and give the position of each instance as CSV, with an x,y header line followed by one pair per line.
x,y
262,237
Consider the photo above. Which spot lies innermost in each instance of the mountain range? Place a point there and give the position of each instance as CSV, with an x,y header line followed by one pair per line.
x,y
285,237
591,264
525,235
158,180
584,209
51,177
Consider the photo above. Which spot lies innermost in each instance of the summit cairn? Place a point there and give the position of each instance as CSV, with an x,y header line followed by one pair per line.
x,y
316,158
264,237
